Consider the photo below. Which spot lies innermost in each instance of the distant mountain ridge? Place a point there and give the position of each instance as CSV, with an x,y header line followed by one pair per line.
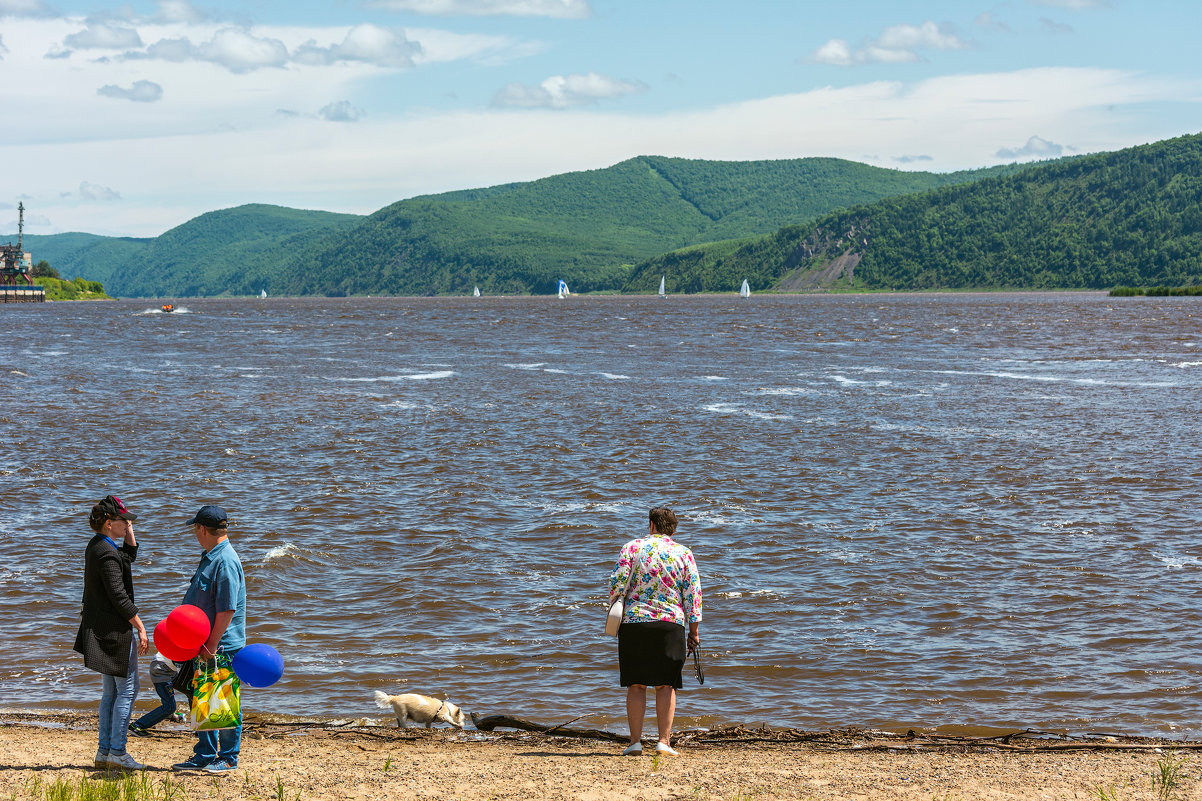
x,y
235,251
1131,217
587,227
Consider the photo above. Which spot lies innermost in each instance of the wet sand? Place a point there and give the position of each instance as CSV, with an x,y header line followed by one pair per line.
x,y
313,762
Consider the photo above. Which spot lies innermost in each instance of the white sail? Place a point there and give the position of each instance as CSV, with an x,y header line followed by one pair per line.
x,y
661,286
476,292
262,293
563,289
745,290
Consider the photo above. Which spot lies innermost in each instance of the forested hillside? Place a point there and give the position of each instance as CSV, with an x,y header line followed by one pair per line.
x,y
237,251
585,227
1133,217
91,256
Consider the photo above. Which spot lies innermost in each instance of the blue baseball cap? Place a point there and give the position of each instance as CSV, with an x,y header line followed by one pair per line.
x,y
210,517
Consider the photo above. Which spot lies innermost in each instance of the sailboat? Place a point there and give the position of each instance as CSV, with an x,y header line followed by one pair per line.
x,y
262,294
563,289
476,292
745,290
661,286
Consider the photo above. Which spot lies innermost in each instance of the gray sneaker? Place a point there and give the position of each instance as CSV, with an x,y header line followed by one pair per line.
x,y
124,761
102,758
223,766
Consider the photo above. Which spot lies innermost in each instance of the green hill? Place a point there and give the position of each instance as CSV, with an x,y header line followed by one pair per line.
x,y
585,227
235,251
588,228
89,255
1132,217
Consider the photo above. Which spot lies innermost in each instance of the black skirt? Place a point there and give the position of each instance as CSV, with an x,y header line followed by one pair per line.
x,y
651,653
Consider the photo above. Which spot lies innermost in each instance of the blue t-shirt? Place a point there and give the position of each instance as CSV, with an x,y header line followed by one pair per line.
x,y
218,585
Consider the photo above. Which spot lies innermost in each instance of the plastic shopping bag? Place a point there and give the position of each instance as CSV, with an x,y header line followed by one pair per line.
x,y
216,695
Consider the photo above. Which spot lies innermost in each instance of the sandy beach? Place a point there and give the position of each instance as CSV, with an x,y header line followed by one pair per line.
x,y
314,761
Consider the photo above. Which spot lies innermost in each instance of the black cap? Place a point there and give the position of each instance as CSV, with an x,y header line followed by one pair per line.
x,y
210,517
111,506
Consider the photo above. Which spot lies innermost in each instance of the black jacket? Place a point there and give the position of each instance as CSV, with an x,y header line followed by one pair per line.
x,y
105,634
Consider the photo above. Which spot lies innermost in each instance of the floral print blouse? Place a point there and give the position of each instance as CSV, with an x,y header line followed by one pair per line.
x,y
666,586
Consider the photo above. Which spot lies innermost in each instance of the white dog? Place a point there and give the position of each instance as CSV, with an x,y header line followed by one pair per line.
x,y
420,709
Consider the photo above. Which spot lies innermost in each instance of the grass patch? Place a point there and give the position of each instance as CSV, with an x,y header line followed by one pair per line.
x,y
1168,774
129,787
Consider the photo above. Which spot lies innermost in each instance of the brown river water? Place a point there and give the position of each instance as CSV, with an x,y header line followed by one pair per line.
x,y
912,510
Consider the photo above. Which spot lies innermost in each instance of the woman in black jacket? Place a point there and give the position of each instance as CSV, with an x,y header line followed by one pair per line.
x,y
110,631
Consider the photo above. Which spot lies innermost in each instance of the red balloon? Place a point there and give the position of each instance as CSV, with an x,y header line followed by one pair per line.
x,y
167,647
187,626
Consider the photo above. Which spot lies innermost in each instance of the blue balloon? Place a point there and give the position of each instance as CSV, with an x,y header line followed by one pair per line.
x,y
258,665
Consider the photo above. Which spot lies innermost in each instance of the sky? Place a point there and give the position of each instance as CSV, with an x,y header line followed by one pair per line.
x,y
131,118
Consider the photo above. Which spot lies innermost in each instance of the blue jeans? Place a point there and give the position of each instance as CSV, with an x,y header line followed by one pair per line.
x,y
160,713
117,705
221,744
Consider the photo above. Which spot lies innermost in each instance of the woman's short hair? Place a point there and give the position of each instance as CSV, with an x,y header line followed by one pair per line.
x,y
664,520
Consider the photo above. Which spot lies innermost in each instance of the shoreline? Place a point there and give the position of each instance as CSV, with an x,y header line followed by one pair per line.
x,y
318,762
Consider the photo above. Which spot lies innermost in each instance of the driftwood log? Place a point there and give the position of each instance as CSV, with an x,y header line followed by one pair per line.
x,y
490,722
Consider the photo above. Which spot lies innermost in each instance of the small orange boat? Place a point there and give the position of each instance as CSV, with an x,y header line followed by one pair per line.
x,y
168,307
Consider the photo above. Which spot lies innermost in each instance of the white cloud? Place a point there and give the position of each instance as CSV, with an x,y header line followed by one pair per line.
x,y
562,91
24,8
896,44
97,193
239,50
236,49
1036,147
927,36
340,111
913,159
559,9
139,92
836,52
369,44
179,11
101,35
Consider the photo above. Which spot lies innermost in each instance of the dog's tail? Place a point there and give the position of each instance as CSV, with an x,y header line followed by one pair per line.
x,y
383,700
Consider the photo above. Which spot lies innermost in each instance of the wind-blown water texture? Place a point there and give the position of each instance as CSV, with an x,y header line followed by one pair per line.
x,y
907,510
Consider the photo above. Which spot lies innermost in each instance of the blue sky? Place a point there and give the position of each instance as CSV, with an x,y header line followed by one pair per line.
x,y
132,118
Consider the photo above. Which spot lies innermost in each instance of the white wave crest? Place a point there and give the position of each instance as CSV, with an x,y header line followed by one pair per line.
x,y
395,378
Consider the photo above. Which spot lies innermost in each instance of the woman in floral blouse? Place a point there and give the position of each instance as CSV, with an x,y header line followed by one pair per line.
x,y
658,579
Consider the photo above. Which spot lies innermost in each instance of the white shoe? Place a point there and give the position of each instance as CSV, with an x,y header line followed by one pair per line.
x,y
102,758
664,748
634,749
125,762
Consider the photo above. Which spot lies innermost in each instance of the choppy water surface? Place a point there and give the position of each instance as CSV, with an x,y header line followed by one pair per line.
x,y
907,510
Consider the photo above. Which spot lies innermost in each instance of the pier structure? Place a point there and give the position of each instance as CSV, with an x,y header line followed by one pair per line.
x,y
16,269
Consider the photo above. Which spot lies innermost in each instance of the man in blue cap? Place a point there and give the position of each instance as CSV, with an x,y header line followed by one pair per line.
x,y
219,588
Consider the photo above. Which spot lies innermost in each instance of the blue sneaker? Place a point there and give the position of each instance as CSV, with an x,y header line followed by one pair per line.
x,y
195,763
221,766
